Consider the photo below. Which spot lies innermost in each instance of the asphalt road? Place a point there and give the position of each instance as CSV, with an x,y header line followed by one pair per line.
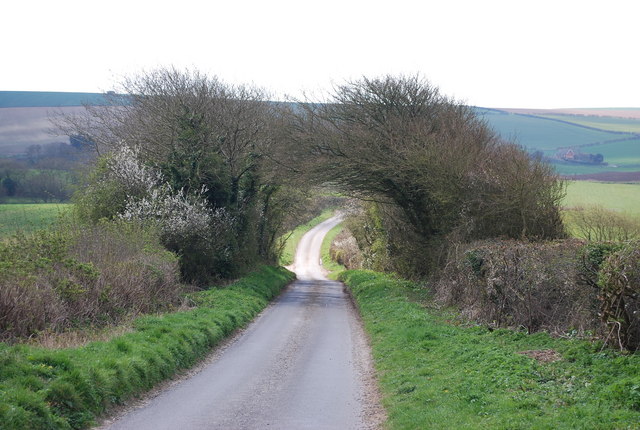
x,y
303,364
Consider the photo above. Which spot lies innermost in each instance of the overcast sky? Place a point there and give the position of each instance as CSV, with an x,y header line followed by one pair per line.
x,y
492,53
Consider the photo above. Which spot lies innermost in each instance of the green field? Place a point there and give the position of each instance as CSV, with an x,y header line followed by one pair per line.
x,y
541,134
629,125
620,197
551,132
28,217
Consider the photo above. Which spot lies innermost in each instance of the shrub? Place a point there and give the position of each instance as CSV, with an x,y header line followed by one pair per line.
x,y
188,227
619,280
76,275
67,388
344,250
520,284
599,224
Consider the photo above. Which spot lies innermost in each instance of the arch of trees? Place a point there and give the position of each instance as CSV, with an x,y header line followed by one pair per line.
x,y
430,169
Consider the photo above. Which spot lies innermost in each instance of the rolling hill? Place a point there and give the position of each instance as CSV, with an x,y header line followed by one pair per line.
x,y
592,132
27,99
614,133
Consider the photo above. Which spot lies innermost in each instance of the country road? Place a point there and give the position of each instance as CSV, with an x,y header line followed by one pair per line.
x,y
302,364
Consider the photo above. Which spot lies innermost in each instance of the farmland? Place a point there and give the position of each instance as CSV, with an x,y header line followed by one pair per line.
x,y
539,134
28,217
625,125
619,197
617,139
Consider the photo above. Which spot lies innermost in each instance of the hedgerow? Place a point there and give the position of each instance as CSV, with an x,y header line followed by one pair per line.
x,y
68,388
74,275
562,287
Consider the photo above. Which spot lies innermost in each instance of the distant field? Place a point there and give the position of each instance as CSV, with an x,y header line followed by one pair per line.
x,y
620,197
540,134
613,138
28,217
608,112
48,99
629,125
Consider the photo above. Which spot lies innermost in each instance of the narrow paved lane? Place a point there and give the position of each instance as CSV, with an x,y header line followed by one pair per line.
x,y
303,364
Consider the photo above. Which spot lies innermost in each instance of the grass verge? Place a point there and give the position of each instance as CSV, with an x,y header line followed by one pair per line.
x,y
436,374
293,238
67,388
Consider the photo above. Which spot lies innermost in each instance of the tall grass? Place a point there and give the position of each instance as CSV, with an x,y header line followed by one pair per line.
x,y
332,266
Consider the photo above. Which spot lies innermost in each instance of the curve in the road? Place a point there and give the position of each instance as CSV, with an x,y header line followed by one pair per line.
x,y
303,364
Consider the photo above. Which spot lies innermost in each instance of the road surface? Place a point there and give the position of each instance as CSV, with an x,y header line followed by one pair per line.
x,y
303,364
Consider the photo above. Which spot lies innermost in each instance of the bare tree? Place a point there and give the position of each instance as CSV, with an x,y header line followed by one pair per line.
x,y
432,161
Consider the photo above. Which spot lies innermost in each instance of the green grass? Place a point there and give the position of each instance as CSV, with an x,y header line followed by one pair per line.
x,y
28,217
629,125
333,267
293,237
67,388
436,374
620,197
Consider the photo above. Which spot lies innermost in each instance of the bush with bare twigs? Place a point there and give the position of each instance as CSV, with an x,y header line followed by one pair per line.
x,y
619,281
520,284
600,224
73,276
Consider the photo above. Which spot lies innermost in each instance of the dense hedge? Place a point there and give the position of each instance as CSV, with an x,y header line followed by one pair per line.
x,y
561,286
68,388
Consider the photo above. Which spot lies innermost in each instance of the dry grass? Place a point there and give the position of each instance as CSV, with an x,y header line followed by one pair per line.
x,y
78,338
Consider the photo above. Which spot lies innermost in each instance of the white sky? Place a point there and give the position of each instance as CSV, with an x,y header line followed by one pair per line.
x,y
492,53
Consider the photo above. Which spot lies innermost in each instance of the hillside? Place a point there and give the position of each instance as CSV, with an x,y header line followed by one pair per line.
x,y
614,133
21,99
551,132
24,117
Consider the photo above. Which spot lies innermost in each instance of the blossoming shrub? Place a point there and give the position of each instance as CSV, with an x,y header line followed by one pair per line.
x,y
124,188
188,226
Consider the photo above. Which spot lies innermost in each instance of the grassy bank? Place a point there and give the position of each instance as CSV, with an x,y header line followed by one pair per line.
x,y
293,237
67,388
28,217
437,373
